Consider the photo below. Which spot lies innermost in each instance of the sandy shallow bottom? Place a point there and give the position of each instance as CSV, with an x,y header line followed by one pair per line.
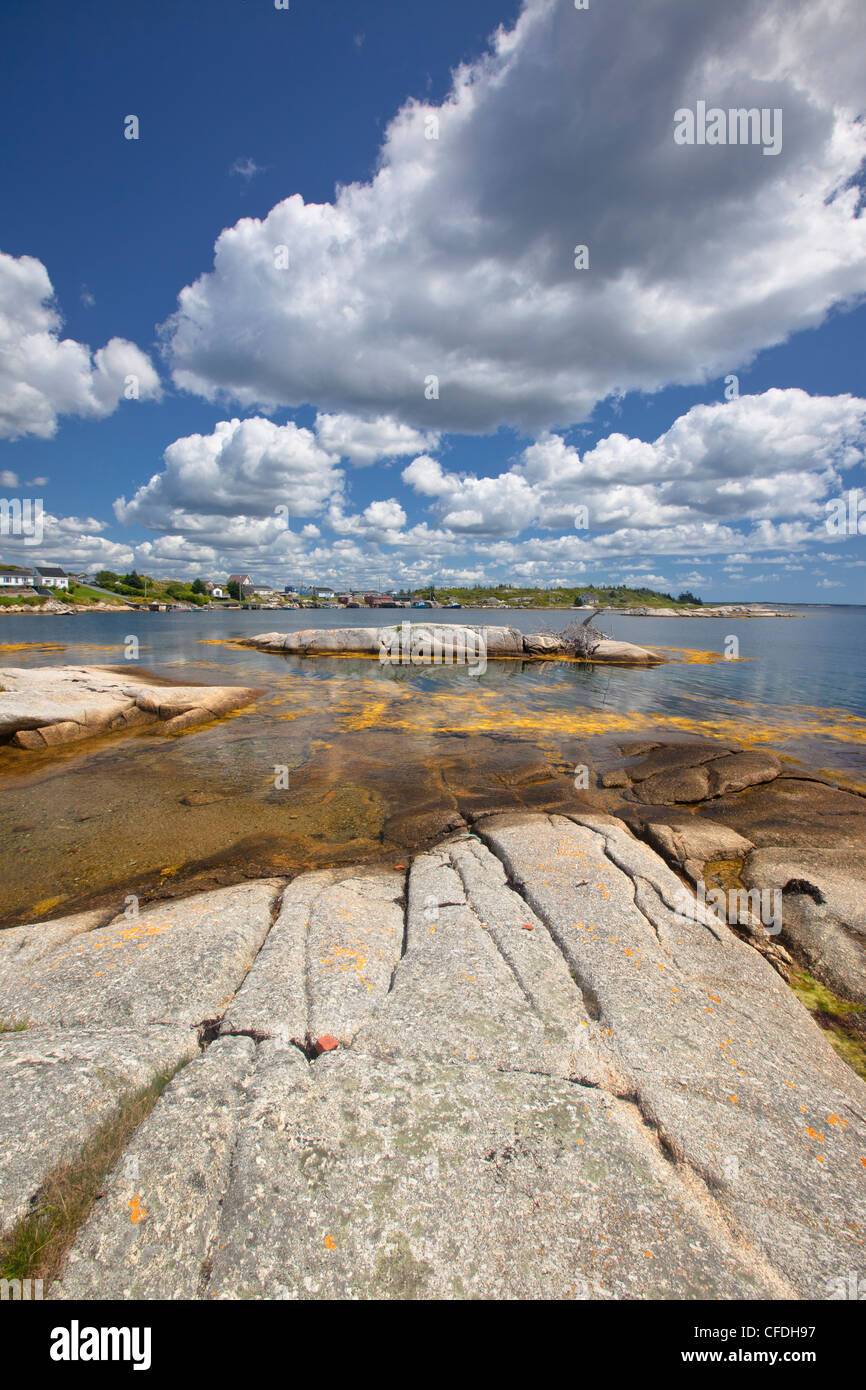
x,y
364,758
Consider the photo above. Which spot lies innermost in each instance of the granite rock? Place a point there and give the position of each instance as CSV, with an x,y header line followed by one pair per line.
x,y
548,1071
47,706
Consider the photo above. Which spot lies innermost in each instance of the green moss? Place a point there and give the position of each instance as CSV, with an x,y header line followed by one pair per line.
x,y
835,1017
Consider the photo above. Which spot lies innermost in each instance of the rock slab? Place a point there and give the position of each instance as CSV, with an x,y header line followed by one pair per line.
x,y
418,642
176,963
559,1082
44,706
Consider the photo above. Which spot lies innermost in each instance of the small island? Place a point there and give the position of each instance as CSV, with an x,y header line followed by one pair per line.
x,y
446,643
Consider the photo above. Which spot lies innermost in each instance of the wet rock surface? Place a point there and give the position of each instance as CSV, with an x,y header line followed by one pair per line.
x,y
798,811
824,910
43,707
548,1082
781,831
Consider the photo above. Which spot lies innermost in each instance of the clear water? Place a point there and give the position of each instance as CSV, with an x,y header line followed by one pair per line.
x,y
365,743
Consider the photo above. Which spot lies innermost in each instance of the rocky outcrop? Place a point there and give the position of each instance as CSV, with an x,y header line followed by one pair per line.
x,y
783,833
21,947
542,644
107,1009
691,843
419,642
44,706
519,1070
685,772
624,653
824,910
59,1086
733,610
177,962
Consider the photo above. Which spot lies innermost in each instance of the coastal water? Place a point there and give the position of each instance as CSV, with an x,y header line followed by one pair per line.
x,y
363,745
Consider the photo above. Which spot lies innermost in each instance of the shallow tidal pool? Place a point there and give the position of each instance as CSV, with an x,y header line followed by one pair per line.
x,y
338,757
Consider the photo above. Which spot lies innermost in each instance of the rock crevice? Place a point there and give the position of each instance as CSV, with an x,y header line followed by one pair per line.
x,y
534,1079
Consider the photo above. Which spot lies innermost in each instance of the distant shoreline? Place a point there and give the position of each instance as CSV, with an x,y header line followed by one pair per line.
x,y
717,611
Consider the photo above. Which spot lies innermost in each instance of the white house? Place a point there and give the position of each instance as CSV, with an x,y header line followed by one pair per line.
x,y
50,577
16,579
244,583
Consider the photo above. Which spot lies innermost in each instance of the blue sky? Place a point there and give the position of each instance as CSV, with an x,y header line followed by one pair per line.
x,y
307,133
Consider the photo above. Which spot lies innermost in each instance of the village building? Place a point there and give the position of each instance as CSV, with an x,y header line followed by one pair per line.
x,y
244,583
50,577
16,579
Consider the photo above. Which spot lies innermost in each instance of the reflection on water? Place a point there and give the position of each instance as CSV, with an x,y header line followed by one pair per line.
x,y
368,747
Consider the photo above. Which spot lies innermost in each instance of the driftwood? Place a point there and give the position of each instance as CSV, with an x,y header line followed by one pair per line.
x,y
579,639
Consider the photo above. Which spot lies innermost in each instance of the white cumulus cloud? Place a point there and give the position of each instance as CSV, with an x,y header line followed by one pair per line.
x,y
43,375
370,441
243,469
774,455
457,259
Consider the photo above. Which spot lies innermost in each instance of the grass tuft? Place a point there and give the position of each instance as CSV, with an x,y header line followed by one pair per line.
x,y
37,1246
